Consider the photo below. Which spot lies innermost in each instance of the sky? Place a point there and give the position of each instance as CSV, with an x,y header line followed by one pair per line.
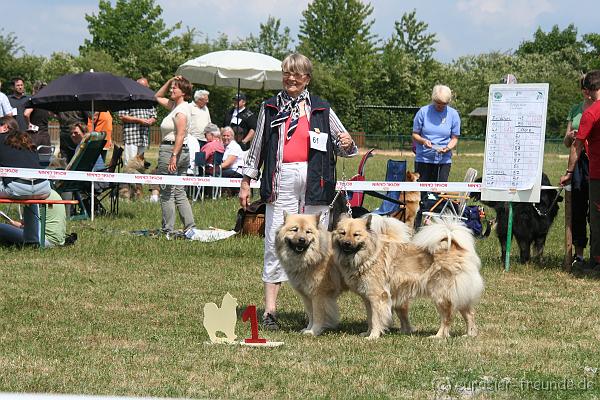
x,y
463,27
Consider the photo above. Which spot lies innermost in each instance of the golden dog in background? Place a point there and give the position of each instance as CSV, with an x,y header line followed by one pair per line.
x,y
133,191
439,262
304,251
411,200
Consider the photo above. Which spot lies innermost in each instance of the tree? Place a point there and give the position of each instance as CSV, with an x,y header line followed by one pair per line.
x,y
563,45
270,40
332,31
592,56
555,40
135,35
336,36
9,47
410,36
470,77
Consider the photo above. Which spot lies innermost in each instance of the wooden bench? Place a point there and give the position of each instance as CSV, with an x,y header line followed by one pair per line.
x,y
44,203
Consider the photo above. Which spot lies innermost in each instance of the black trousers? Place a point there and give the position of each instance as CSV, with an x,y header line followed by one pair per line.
x,y
432,173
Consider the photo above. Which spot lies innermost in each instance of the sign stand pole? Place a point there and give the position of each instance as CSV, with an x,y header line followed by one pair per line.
x,y
508,237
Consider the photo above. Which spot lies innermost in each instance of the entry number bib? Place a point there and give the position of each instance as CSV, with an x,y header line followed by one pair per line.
x,y
318,140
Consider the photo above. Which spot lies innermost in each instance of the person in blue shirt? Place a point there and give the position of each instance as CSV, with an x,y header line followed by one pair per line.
x,y
436,129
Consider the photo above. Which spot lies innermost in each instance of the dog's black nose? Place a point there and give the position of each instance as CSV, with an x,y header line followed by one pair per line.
x,y
301,240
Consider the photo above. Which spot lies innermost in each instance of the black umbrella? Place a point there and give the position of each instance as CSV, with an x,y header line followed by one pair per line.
x,y
95,91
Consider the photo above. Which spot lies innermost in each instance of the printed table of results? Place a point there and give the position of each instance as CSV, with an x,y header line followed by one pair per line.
x,y
515,137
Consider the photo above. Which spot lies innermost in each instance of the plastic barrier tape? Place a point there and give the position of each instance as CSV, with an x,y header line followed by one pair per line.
x,y
381,186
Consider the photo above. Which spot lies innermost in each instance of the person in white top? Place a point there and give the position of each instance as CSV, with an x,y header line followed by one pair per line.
x,y
5,107
200,115
173,154
233,158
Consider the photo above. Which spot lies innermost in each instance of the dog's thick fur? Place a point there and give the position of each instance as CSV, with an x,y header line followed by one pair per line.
x,y
439,262
531,223
133,191
411,200
304,251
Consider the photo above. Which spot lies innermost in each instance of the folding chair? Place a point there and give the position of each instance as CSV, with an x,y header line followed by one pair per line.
x,y
392,205
217,172
200,160
396,172
85,159
45,154
110,189
450,205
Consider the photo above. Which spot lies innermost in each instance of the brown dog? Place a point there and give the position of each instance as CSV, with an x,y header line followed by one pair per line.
x,y
304,251
439,262
411,200
133,191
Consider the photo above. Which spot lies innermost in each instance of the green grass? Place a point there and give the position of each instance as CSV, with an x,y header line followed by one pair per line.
x,y
120,314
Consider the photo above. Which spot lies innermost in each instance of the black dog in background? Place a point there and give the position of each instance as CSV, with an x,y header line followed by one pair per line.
x,y
531,222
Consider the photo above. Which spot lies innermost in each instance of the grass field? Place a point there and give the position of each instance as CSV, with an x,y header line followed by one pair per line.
x,y
121,314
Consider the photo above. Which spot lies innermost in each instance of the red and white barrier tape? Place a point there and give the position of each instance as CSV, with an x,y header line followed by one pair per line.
x,y
380,186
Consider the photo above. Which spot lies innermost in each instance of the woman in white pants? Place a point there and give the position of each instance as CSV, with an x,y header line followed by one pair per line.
x,y
298,138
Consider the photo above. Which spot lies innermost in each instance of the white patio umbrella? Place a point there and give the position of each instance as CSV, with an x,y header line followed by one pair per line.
x,y
234,68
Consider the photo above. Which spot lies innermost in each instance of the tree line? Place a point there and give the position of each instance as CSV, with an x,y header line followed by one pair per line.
x,y
352,65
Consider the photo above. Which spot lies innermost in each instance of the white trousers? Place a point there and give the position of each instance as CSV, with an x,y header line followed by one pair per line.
x,y
132,150
290,198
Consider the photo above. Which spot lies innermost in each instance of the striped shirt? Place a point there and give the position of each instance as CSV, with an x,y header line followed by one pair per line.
x,y
252,160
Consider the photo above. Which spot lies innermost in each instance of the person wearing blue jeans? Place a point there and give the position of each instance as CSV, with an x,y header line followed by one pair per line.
x,y
28,231
17,151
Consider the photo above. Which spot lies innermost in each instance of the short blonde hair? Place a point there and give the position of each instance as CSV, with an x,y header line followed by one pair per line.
x,y
441,94
297,63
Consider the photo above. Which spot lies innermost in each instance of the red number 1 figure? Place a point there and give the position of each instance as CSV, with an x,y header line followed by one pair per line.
x,y
250,313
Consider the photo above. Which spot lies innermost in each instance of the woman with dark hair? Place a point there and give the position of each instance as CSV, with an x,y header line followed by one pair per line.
x,y
17,151
173,154
8,124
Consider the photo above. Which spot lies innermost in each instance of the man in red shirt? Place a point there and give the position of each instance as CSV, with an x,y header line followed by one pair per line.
x,y
589,131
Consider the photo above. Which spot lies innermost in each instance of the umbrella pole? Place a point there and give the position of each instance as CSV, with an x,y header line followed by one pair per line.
x,y
237,103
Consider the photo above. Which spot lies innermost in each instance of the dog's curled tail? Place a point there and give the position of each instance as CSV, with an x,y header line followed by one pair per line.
x,y
442,233
391,227
453,247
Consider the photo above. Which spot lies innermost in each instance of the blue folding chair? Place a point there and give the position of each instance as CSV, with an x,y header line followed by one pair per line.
x,y
200,161
392,202
217,172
